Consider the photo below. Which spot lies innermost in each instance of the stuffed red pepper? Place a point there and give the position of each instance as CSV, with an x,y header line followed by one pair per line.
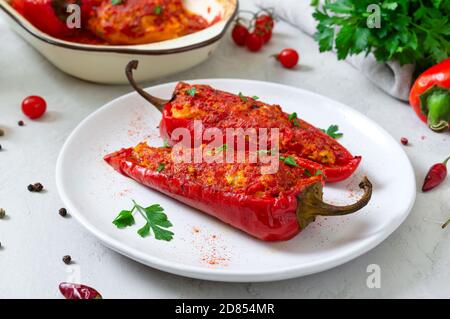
x,y
270,207
222,110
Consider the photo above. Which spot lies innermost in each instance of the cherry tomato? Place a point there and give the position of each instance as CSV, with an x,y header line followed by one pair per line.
x,y
254,42
288,58
34,106
265,21
239,34
265,34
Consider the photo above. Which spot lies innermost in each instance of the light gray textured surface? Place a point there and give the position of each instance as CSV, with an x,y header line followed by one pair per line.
x,y
414,260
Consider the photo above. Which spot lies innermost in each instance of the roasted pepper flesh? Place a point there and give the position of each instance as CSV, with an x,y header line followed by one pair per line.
x,y
266,206
218,109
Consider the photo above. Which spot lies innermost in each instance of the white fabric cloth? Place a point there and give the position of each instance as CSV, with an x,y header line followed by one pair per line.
x,y
392,78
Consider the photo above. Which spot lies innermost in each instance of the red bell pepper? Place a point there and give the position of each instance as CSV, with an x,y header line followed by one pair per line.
x,y
218,109
269,207
430,96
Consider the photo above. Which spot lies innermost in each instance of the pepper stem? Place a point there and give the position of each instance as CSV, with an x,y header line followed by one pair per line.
x,y
311,204
156,101
435,103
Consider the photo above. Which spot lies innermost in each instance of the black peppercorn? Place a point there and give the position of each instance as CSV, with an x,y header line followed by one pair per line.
x,y
30,188
67,259
21,123
63,212
38,187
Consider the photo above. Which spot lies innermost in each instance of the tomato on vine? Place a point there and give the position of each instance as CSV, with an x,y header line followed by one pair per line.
x,y
254,42
239,34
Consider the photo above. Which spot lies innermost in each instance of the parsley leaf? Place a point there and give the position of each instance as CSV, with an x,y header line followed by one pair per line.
x,y
255,97
407,31
243,98
158,10
318,172
156,221
289,161
221,148
160,167
293,118
192,91
124,219
116,2
332,131
166,144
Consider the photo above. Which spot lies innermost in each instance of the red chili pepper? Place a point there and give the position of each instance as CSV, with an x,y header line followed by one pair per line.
x,y
78,291
430,96
270,207
435,176
222,110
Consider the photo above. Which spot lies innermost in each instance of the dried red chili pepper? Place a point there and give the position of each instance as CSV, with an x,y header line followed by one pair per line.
x,y
222,110
78,291
270,207
435,175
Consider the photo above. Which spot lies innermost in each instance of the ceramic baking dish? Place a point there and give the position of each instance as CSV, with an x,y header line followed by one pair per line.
x,y
106,63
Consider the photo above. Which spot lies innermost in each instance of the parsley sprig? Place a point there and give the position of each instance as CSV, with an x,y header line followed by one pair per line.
x,y
409,31
158,9
156,221
333,131
192,91
293,118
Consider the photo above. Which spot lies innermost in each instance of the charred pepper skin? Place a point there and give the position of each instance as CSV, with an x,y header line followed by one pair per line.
x,y
269,219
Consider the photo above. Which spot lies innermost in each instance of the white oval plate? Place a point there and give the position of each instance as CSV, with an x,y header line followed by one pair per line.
x,y
206,248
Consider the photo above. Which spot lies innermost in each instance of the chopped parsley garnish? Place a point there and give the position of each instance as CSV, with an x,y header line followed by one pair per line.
x,y
221,148
255,97
158,10
446,224
332,131
289,161
317,173
166,144
156,221
160,167
243,98
116,2
192,91
293,118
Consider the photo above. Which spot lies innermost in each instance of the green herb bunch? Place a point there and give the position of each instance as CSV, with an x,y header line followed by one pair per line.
x,y
409,31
